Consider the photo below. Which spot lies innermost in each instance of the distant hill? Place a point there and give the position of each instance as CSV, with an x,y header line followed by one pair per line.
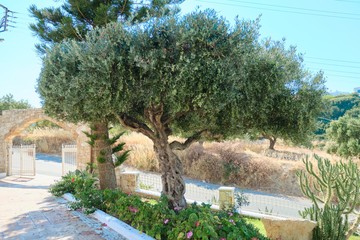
x,y
336,107
337,93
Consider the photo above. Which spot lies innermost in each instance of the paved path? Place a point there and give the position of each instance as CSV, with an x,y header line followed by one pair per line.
x,y
28,211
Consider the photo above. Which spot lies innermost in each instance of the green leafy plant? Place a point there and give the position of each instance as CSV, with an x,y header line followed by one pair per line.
x,y
65,185
335,192
156,219
123,156
84,186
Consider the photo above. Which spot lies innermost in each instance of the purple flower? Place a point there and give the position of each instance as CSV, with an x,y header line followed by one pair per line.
x,y
133,209
222,238
166,221
177,208
232,221
230,214
189,234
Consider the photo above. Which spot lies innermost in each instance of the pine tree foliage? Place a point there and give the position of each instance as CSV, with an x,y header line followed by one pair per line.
x,y
75,18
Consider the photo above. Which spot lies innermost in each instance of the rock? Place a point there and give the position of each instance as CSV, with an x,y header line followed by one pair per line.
x,y
289,229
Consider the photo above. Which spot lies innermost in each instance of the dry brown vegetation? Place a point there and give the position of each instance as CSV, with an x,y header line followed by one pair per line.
x,y
242,163
47,140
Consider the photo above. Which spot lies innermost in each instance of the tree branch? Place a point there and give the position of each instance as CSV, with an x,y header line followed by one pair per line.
x,y
134,125
175,145
168,120
154,115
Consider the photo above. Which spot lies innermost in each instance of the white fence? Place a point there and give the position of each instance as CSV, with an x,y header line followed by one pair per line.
x,y
22,160
259,202
68,158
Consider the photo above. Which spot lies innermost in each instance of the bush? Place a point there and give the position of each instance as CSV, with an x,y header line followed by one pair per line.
x,y
156,220
208,167
65,185
84,186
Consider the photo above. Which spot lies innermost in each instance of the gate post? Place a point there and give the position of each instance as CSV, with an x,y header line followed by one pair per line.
x,y
34,158
7,156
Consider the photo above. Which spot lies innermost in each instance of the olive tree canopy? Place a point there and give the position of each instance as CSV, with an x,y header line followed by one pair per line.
x,y
170,75
73,20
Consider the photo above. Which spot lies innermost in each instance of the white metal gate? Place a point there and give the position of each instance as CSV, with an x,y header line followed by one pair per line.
x,y
68,158
22,160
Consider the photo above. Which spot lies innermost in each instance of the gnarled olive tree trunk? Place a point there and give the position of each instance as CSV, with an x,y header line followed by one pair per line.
x,y
170,164
173,185
102,152
272,140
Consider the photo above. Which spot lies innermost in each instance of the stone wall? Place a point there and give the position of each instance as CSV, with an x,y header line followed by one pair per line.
x,y
13,122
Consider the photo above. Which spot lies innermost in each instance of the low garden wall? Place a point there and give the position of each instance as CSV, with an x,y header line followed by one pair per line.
x,y
276,227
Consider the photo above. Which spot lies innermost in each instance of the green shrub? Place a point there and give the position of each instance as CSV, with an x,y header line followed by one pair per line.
x,y
156,220
65,185
84,186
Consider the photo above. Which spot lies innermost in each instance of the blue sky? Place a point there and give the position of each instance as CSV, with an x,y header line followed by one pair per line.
x,y
327,32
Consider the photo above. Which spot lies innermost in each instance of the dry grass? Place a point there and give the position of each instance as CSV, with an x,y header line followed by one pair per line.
x,y
242,163
47,140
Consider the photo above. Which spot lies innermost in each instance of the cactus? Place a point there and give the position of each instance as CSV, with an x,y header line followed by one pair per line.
x,y
334,190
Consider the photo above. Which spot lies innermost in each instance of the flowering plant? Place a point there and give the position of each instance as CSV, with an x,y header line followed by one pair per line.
x,y
156,219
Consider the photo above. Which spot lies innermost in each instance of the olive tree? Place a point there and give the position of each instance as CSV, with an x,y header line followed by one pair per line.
x,y
288,101
169,76
344,134
8,102
73,20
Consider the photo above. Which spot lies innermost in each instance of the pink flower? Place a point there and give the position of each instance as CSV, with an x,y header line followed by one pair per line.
x,y
230,214
133,209
222,238
73,180
177,208
232,221
166,221
189,234
197,223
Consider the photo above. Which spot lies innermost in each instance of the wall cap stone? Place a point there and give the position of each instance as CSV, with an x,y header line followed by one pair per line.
x,y
289,229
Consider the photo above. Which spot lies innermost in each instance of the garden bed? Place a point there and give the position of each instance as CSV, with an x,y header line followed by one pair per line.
x,y
155,220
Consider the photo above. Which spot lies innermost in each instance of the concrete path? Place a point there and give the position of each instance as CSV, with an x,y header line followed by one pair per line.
x,y
28,211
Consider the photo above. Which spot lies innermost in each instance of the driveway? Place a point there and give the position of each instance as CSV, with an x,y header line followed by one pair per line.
x,y
28,211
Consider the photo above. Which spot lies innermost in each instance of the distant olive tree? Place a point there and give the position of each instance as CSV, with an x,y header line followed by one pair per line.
x,y
344,134
289,100
8,102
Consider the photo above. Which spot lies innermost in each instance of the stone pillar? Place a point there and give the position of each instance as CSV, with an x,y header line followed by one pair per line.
x,y
226,197
127,181
83,149
294,229
3,156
